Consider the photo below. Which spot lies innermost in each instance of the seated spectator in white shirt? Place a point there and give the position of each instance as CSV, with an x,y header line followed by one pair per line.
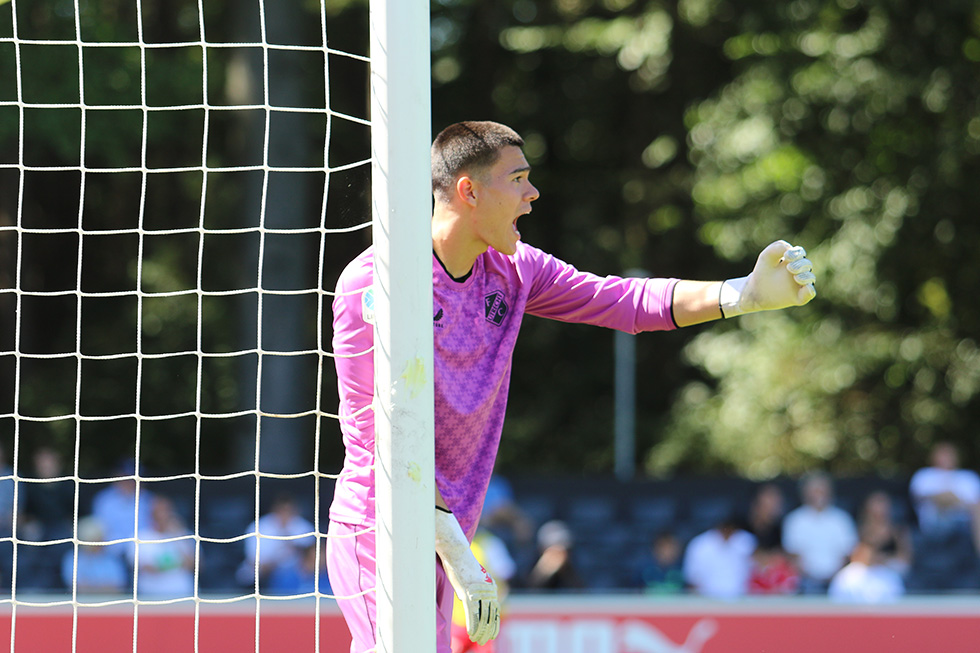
x,y
163,555
280,537
115,505
819,535
718,562
99,570
866,579
945,496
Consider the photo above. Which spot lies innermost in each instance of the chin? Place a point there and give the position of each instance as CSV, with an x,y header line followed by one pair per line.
x,y
510,249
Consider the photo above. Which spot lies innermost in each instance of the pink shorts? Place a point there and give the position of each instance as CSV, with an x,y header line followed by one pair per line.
x,y
351,567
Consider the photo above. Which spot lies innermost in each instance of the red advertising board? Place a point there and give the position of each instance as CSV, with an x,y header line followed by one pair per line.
x,y
232,628
792,625
589,624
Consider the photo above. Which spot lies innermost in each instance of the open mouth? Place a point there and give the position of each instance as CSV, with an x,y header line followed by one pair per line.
x,y
514,225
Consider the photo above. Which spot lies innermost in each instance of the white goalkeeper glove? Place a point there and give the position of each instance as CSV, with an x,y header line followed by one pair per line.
x,y
471,582
782,277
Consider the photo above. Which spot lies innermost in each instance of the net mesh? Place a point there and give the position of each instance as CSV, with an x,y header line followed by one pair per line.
x,y
180,184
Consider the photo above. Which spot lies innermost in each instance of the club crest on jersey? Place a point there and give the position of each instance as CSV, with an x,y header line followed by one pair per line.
x,y
367,306
437,319
495,308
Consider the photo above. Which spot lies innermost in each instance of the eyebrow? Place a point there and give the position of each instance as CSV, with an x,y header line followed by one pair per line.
x,y
517,170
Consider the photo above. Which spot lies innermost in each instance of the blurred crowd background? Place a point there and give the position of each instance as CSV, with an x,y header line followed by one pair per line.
x,y
858,539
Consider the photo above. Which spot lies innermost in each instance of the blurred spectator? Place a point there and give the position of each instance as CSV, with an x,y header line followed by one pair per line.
x,y
661,571
820,535
282,521
765,518
49,511
718,562
891,541
502,515
99,571
164,554
49,508
7,512
945,496
772,570
866,578
304,574
115,506
491,552
773,573
555,569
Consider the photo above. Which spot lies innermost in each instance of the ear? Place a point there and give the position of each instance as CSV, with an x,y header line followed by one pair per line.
x,y
466,190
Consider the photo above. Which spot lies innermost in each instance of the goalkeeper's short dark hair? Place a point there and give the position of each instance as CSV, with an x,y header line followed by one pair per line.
x,y
468,147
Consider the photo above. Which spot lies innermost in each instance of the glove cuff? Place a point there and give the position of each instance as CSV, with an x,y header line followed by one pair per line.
x,y
730,295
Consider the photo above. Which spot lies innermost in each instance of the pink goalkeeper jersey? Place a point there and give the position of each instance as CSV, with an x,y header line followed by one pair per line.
x,y
475,329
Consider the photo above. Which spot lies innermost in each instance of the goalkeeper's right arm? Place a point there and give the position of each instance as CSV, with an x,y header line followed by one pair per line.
x,y
782,277
471,582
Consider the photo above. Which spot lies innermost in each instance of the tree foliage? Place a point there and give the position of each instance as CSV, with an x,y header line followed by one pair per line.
x,y
849,124
682,138
675,137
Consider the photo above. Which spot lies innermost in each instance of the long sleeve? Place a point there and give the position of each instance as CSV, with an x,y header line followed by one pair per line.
x,y
561,292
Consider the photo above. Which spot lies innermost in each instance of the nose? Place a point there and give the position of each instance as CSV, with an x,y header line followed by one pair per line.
x,y
532,193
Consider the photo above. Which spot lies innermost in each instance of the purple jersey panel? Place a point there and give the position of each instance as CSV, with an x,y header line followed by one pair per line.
x,y
475,327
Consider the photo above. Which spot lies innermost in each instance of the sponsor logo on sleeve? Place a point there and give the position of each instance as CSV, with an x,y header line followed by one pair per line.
x,y
367,305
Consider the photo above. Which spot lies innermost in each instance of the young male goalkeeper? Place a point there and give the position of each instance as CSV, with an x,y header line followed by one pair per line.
x,y
484,280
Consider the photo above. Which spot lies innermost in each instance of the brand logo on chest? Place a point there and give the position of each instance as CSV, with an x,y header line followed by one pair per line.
x,y
495,308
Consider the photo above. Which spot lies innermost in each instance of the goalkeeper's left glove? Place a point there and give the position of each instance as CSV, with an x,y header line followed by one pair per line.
x,y
471,582
782,277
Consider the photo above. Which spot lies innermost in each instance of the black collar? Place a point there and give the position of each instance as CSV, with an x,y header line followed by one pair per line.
x,y
456,279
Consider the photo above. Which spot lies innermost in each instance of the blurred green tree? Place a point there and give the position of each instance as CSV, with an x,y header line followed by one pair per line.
x,y
676,137
682,138
853,127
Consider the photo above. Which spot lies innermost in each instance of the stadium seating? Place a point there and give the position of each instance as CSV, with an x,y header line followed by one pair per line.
x,y
614,523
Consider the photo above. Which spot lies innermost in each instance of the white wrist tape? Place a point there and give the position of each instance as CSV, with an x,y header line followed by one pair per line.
x,y
731,292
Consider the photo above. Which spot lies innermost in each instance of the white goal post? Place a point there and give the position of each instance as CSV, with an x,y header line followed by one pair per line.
x,y
404,468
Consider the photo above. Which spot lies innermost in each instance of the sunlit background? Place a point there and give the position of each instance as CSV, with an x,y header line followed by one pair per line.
x,y
676,138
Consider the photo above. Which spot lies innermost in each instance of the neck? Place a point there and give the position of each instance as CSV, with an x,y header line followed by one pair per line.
x,y
451,244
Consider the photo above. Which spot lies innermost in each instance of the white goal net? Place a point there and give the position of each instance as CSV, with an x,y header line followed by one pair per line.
x,y
181,182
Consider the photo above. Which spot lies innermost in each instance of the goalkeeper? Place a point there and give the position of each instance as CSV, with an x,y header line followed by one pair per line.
x,y
484,281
